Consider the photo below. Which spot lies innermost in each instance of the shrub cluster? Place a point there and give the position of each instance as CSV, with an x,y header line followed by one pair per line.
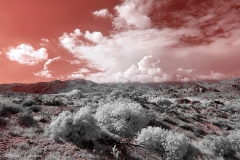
x,y
29,103
80,128
160,101
74,94
224,145
7,108
26,119
171,145
122,117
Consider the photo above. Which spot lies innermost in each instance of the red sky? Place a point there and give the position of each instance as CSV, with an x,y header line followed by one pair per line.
x,y
119,40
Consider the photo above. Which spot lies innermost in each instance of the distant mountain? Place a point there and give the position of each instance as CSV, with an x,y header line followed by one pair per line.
x,y
173,89
52,87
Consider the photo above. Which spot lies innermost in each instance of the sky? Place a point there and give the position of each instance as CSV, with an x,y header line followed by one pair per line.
x,y
119,41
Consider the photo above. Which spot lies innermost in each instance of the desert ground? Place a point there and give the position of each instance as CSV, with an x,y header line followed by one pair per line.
x,y
83,120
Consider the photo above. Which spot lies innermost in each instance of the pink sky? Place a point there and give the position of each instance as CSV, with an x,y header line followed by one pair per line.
x,y
119,40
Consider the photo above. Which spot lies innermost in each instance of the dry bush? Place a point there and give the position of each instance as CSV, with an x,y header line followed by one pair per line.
x,y
35,108
28,103
26,119
224,145
7,108
79,128
123,117
74,94
160,101
171,145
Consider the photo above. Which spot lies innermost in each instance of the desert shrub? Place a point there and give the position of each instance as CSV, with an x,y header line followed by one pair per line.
x,y
35,108
26,119
185,126
119,93
80,128
28,103
224,145
3,122
74,94
122,117
163,102
160,101
171,145
54,102
7,108
235,118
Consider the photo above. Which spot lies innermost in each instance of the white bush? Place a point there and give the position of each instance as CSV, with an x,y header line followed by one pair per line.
x,y
79,128
122,117
160,101
224,145
75,94
170,145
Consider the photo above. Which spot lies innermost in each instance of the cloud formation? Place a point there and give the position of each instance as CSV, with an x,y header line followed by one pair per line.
x,y
46,73
143,41
147,70
103,13
26,54
132,14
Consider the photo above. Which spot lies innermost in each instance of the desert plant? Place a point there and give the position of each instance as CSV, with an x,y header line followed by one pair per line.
x,y
28,103
74,94
26,119
123,117
7,108
224,145
80,128
171,145
160,101
164,102
35,108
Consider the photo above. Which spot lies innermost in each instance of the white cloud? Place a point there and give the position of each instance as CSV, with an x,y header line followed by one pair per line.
x,y
147,70
96,37
45,40
26,54
212,76
46,72
190,48
132,15
128,47
74,62
103,13
76,76
79,74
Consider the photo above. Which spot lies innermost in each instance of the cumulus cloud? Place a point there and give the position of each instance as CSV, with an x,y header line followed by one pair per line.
x,y
128,47
46,73
147,70
103,13
192,44
132,15
45,40
74,61
26,54
79,74
96,37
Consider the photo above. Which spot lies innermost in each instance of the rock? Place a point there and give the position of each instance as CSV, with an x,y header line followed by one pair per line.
x,y
183,101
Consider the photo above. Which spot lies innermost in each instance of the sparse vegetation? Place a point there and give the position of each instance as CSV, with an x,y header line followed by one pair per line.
x,y
7,108
26,119
121,121
29,103
224,145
